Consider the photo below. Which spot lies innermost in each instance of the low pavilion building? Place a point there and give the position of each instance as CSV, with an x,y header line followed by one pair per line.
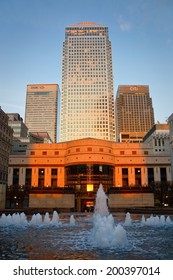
x,y
67,175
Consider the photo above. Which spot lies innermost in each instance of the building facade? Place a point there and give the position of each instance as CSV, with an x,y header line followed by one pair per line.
x,y
134,113
6,134
170,123
42,108
76,168
17,124
159,137
21,136
20,144
87,97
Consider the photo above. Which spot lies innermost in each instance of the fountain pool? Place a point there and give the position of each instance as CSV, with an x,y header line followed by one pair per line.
x,y
87,236
68,240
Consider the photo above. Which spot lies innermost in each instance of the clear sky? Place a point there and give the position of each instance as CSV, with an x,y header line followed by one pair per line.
x,y
32,33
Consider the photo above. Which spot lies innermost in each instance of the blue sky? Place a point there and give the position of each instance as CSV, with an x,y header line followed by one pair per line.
x,y
32,34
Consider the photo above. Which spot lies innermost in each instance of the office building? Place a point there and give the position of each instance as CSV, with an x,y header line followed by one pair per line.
x,y
6,134
21,136
87,97
17,124
159,137
134,113
41,109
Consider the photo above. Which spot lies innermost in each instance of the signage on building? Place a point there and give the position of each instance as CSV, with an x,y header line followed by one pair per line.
x,y
133,88
42,87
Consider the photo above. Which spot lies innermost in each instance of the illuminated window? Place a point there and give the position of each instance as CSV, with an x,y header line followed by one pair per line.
x,y
90,187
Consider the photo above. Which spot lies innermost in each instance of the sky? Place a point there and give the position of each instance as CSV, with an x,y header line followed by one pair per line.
x,y
32,34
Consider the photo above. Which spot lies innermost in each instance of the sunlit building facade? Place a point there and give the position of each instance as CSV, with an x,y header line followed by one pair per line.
x,y
134,112
67,175
87,97
42,109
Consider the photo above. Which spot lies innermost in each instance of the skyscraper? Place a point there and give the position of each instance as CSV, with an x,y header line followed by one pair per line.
x,y
134,113
41,109
87,96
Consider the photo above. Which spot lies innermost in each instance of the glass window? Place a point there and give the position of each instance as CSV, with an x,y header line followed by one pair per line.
x,y
54,171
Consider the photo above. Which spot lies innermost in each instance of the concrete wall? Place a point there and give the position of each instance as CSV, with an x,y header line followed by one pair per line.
x,y
2,196
131,200
68,200
51,200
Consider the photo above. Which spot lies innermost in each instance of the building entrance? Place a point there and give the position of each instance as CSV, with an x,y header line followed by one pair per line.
x,y
87,205
79,176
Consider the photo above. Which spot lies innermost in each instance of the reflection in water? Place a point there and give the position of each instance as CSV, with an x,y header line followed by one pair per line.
x,y
145,240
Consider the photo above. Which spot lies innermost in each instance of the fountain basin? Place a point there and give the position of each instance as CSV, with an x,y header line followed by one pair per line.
x,y
62,240
93,236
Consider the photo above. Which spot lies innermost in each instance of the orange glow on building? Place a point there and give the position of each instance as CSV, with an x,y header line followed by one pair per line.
x,y
65,174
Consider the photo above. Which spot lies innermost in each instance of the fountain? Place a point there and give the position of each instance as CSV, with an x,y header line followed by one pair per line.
x,y
101,207
156,220
72,220
36,219
98,235
105,232
128,220
17,219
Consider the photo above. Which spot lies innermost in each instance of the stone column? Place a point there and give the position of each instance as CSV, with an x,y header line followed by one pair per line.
x,y
10,176
156,174
47,178
144,177
61,177
34,181
168,173
114,177
118,177
22,176
131,176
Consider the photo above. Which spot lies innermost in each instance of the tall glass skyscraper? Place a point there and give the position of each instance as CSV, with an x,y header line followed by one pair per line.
x,y
87,97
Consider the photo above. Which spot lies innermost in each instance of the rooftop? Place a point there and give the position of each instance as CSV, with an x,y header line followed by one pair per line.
x,y
86,24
